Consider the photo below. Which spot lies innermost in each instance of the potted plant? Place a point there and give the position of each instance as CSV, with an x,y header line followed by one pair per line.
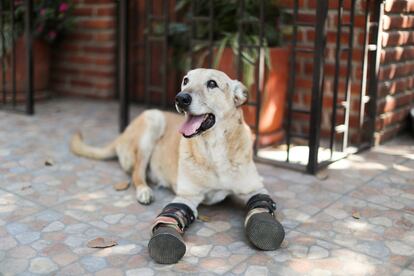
x,y
51,19
226,41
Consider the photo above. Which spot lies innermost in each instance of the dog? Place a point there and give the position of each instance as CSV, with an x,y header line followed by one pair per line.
x,y
203,157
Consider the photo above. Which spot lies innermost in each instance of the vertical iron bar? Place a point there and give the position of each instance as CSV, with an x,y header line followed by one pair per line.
x,y
363,86
13,55
3,53
336,77
240,41
123,65
210,33
165,54
192,31
29,61
147,51
374,68
316,110
292,78
348,82
259,80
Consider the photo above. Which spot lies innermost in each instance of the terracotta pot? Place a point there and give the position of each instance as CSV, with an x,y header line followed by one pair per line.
x,y
41,70
273,96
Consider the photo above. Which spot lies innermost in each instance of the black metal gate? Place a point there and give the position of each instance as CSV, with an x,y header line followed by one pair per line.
x,y
316,153
9,95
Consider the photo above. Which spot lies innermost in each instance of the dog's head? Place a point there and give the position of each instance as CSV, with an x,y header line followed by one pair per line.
x,y
207,96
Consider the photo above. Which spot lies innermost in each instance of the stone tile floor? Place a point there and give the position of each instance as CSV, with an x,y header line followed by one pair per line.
x,y
49,213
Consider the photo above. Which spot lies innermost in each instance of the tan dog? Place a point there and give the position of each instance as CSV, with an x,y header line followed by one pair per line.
x,y
215,159
209,160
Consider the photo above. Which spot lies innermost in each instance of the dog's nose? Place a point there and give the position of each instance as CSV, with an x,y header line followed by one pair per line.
x,y
183,100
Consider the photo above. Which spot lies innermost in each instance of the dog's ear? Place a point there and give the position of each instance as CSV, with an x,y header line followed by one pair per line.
x,y
240,93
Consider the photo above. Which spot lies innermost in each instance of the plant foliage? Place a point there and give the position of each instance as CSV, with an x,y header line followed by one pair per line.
x,y
225,31
51,19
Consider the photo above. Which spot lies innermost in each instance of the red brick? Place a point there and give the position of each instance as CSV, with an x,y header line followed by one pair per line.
x,y
82,83
397,38
99,49
99,37
398,21
304,83
105,86
392,54
397,6
106,11
97,23
83,11
94,73
79,37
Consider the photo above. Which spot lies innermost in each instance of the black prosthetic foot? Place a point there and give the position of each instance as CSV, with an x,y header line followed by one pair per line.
x,y
264,231
166,245
262,227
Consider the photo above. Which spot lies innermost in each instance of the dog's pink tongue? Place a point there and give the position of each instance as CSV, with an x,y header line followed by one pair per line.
x,y
191,125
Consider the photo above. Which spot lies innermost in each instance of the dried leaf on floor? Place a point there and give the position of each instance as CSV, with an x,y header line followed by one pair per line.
x,y
356,215
100,242
49,162
204,218
120,186
26,187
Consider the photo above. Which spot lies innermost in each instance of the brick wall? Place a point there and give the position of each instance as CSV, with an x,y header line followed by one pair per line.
x,y
396,76
304,70
84,62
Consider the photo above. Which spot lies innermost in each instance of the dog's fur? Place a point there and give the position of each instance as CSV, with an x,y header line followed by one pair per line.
x,y
206,167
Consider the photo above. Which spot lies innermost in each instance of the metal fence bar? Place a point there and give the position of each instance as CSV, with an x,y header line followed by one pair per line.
x,y
192,32
240,41
345,137
29,61
13,55
259,71
164,69
3,53
147,50
336,77
259,79
123,73
292,78
210,33
374,67
363,85
317,83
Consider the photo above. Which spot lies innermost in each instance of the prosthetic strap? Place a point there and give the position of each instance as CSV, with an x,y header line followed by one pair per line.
x,y
176,215
260,203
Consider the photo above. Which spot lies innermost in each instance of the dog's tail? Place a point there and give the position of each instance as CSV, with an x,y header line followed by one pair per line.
x,y
80,148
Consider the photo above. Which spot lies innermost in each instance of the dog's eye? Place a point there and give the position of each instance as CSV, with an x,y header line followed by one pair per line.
x,y
211,84
185,81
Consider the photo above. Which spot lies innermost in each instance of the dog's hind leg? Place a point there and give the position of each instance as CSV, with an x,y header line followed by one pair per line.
x,y
154,126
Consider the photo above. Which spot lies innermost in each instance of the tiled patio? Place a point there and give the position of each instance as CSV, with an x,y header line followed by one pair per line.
x,y
360,220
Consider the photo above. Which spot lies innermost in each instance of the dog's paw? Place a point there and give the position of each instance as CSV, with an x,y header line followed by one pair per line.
x,y
144,195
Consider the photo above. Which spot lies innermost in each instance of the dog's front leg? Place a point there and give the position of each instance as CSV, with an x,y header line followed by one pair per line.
x,y
166,245
262,228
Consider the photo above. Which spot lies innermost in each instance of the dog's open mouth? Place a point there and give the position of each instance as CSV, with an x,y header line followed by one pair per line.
x,y
196,124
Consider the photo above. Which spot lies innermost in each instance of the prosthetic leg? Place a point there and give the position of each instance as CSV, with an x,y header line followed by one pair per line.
x,y
167,245
262,228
